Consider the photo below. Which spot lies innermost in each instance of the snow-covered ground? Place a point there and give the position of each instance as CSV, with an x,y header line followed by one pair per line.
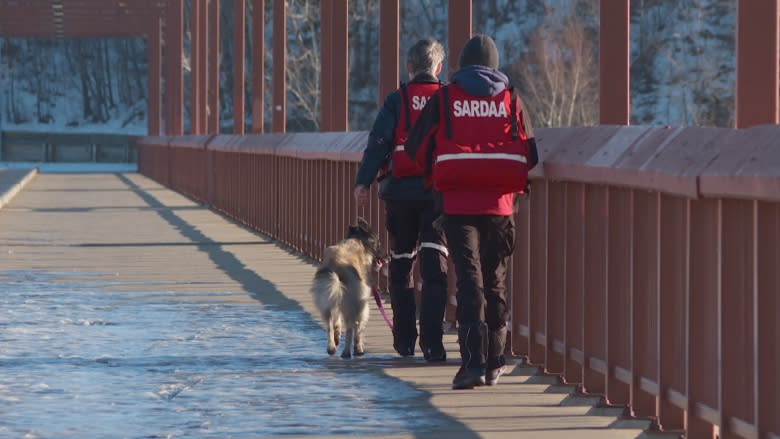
x,y
72,167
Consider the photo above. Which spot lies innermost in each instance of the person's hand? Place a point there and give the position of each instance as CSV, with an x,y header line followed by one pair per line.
x,y
361,195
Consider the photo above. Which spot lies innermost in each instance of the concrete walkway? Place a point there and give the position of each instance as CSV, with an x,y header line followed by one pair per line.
x,y
142,236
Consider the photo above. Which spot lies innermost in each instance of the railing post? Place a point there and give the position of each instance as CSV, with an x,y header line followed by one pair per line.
x,y
673,302
767,239
704,319
738,322
619,296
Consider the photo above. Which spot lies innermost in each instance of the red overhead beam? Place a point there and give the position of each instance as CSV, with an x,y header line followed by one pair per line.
x,y
98,32
75,24
79,18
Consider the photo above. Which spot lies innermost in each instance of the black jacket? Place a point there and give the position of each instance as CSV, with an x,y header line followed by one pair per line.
x,y
380,147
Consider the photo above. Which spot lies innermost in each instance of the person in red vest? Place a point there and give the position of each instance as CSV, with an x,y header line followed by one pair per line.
x,y
475,143
409,207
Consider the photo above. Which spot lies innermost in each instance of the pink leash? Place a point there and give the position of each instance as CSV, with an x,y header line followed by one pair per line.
x,y
381,307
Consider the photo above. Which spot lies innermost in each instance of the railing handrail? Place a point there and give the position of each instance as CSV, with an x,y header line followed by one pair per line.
x,y
646,260
695,162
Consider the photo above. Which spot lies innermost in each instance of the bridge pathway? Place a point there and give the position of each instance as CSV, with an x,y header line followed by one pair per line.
x,y
141,236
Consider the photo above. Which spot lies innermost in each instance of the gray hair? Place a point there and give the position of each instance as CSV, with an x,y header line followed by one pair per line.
x,y
424,56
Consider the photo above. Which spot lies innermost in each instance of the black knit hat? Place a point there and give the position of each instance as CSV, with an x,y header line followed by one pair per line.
x,y
480,50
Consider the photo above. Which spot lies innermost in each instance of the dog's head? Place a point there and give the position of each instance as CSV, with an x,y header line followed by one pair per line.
x,y
362,232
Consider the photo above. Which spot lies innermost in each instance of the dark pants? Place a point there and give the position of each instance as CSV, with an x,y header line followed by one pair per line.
x,y
480,246
412,235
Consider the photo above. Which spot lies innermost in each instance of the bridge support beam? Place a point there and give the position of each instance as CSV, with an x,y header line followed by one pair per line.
x,y
203,66
196,58
239,16
258,64
389,47
614,47
334,108
215,54
279,67
758,65
459,15
326,25
153,78
174,85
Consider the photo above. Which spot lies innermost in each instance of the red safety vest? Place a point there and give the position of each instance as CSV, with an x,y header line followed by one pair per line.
x,y
414,96
479,145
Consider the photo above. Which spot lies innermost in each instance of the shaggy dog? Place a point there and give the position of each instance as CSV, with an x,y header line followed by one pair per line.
x,y
342,286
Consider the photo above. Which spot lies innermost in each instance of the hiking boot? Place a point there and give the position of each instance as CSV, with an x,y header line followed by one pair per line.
x,y
493,374
468,378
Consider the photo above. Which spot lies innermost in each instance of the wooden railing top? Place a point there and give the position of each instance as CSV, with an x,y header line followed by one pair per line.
x,y
687,161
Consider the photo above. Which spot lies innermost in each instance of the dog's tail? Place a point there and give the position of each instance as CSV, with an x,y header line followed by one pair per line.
x,y
327,289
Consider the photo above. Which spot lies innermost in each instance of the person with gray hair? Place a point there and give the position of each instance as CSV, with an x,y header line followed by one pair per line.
x,y
409,207
425,55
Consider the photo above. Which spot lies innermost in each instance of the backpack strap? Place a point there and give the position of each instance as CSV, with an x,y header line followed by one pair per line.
x,y
445,94
513,112
405,103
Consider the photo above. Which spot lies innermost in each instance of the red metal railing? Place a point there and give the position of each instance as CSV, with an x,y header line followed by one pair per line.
x,y
646,266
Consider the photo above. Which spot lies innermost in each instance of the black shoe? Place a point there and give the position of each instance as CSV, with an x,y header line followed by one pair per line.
x,y
468,378
436,353
404,350
493,374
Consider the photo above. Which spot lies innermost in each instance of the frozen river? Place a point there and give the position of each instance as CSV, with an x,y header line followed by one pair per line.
x,y
79,362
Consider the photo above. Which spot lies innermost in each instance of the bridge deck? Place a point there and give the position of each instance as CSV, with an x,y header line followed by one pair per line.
x,y
141,236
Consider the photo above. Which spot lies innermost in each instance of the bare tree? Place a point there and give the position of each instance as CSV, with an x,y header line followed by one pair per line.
x,y
303,65
363,62
559,75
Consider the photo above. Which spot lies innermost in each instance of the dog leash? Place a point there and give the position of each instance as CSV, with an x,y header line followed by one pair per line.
x,y
381,307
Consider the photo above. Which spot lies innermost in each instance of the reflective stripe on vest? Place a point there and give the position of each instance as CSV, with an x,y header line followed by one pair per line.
x,y
481,155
